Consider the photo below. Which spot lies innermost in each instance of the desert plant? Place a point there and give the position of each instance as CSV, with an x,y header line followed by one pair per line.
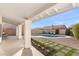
x,y
68,32
71,33
75,30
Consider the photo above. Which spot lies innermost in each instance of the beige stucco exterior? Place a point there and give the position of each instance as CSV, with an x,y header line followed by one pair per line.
x,y
37,31
61,29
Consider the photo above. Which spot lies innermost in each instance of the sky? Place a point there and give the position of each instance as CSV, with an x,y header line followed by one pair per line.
x,y
67,18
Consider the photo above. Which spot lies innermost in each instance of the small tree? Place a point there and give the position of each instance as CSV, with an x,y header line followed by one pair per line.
x,y
71,33
68,32
75,30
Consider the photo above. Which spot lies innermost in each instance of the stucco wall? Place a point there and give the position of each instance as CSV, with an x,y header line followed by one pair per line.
x,y
62,31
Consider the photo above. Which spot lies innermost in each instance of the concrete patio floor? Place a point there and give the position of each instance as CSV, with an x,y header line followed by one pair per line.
x,y
12,46
9,47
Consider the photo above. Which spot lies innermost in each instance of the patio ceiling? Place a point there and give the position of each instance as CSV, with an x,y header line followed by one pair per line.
x,y
56,9
16,13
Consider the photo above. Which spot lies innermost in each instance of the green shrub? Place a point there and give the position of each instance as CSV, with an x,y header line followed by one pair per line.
x,y
75,30
68,32
71,33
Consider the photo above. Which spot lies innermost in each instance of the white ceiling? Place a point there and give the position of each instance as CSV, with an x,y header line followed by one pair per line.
x,y
55,9
17,12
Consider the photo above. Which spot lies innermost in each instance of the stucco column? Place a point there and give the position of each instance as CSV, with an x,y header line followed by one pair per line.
x,y
1,29
19,31
27,33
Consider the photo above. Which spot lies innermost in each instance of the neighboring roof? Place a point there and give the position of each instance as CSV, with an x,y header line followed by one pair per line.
x,y
59,27
51,27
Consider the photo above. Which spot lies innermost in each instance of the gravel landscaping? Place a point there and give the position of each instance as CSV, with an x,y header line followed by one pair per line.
x,y
50,48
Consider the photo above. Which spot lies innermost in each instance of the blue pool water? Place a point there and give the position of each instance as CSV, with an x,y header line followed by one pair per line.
x,y
56,36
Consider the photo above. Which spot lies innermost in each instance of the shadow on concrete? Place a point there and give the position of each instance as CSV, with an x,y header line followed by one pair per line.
x,y
26,52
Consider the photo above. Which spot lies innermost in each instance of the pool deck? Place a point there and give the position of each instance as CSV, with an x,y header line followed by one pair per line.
x,y
66,41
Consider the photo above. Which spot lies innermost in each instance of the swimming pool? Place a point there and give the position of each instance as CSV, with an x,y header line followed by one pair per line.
x,y
56,36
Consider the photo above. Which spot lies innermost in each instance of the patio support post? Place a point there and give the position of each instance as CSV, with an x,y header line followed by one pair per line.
x,y
27,33
19,31
1,29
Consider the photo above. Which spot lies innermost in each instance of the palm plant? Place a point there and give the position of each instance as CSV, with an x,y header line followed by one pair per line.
x,y
75,30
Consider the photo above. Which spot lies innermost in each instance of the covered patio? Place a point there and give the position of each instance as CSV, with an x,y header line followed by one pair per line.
x,y
23,15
